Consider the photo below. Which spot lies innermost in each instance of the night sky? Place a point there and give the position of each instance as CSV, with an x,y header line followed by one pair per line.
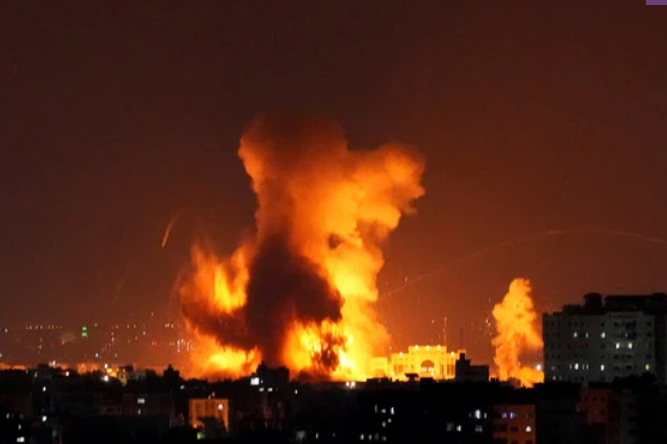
x,y
531,118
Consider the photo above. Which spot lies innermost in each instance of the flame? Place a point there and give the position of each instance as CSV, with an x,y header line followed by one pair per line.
x,y
516,324
304,282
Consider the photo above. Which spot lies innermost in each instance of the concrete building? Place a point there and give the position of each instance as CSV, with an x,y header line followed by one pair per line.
x,y
514,424
596,405
202,410
426,361
466,372
606,338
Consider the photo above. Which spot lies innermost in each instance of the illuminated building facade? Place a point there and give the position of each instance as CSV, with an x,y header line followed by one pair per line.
x,y
209,408
426,361
603,339
514,424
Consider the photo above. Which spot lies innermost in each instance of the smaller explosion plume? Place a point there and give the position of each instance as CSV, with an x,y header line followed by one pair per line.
x,y
516,323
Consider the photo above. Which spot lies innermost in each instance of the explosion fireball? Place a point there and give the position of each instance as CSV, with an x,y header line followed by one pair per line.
x,y
300,291
516,323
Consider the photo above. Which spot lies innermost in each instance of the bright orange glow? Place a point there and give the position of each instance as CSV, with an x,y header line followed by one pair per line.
x,y
516,324
333,208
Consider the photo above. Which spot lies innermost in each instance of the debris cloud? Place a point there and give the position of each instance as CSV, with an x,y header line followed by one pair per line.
x,y
517,332
300,291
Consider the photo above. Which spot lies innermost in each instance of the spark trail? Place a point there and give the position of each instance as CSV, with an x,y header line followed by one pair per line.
x,y
518,241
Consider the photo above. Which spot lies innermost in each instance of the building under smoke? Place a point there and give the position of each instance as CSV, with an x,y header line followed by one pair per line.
x,y
425,361
607,338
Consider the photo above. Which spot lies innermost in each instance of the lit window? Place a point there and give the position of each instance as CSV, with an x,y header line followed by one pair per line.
x,y
220,406
141,400
478,414
618,346
603,335
529,429
391,410
575,334
647,367
44,418
630,345
384,424
601,367
576,366
458,428
478,429
254,381
504,415
361,438
20,439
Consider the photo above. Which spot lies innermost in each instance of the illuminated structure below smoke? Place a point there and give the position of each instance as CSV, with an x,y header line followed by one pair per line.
x,y
426,361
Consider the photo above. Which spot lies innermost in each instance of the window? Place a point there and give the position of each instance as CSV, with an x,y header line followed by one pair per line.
x,y
529,429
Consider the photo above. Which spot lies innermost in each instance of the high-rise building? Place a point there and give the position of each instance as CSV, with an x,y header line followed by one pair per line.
x,y
606,338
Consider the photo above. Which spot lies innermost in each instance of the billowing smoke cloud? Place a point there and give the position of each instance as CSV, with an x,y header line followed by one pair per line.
x,y
518,332
300,291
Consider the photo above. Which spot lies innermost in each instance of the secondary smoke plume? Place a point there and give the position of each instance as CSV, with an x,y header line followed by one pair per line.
x,y
516,323
300,291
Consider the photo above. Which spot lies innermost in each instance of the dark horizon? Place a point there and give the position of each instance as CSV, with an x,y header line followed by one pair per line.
x,y
543,118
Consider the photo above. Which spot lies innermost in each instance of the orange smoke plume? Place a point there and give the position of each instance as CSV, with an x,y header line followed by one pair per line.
x,y
516,323
300,291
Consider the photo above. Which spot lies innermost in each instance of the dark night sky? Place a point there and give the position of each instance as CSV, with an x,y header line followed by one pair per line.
x,y
531,118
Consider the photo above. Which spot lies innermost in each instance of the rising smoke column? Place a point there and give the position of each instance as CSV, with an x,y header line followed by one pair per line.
x,y
300,291
517,327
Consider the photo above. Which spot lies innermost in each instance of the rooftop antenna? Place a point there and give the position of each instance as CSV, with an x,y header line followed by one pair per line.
x,y
444,331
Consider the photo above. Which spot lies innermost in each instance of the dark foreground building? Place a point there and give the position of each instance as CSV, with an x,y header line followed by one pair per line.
x,y
56,406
